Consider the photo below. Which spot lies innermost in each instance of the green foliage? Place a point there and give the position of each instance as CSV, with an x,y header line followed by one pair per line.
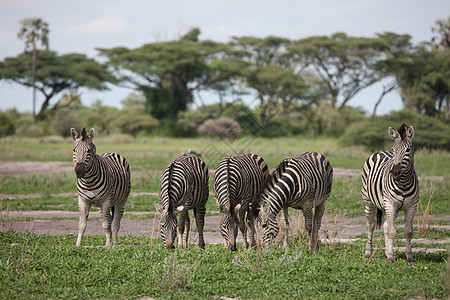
x,y
7,126
371,133
133,120
428,132
63,120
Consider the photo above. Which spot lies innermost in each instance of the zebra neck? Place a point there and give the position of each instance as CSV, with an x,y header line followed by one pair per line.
x,y
93,171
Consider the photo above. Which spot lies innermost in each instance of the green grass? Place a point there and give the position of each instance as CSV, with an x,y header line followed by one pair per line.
x,y
140,267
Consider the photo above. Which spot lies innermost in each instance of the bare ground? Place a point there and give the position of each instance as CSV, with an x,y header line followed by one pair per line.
x,y
334,228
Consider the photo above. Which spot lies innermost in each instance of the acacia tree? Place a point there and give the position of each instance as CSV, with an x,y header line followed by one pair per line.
x,y
56,74
262,56
346,64
34,30
399,45
166,72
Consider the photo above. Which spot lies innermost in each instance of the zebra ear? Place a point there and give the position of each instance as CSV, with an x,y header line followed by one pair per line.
x,y
410,132
74,134
158,207
91,134
393,133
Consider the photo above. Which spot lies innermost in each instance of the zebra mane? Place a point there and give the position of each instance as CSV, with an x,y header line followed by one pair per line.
x,y
83,134
228,186
402,130
257,201
168,185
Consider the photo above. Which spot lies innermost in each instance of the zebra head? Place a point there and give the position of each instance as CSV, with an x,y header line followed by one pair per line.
x,y
168,224
267,222
83,150
229,224
402,149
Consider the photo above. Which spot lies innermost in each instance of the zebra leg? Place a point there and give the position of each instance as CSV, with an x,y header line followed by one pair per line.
x,y
370,211
252,233
284,224
318,214
83,210
409,217
308,215
243,226
199,213
104,211
389,232
183,228
118,211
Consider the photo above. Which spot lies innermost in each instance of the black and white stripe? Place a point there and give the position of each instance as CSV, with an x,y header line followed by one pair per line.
x,y
390,184
237,181
302,182
183,186
103,181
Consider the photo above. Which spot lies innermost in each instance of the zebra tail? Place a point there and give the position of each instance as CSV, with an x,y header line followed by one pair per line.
x,y
379,218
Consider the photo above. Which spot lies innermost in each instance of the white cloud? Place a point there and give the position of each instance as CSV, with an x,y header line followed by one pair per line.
x,y
108,26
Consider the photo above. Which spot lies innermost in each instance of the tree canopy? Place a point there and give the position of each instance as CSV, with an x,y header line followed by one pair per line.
x,y
56,73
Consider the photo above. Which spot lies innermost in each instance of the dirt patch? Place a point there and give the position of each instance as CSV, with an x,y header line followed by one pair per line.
x,y
21,168
334,229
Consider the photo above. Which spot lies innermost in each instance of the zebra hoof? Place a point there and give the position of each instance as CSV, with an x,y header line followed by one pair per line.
x,y
391,259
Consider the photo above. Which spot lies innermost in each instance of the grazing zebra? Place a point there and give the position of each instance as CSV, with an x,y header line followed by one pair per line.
x,y
390,184
183,186
103,181
302,182
237,181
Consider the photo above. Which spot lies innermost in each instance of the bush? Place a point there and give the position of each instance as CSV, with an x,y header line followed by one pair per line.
x,y
133,121
224,128
428,132
368,133
63,120
7,126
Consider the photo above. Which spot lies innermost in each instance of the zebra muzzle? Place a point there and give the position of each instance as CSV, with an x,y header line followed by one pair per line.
x,y
79,170
396,171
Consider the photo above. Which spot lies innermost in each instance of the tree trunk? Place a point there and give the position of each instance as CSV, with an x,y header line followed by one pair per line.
x,y
33,82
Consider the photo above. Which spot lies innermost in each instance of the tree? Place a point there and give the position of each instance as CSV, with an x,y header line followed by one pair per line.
x,y
261,55
398,47
346,64
166,72
55,74
442,30
34,30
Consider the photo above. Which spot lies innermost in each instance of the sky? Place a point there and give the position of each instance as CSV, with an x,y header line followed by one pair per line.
x,y
82,26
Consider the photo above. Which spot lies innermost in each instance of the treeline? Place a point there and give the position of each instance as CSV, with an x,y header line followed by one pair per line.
x,y
275,71
301,86
229,122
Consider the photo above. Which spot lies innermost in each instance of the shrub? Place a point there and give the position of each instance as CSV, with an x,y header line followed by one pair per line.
x,y
7,126
63,120
368,133
224,128
372,132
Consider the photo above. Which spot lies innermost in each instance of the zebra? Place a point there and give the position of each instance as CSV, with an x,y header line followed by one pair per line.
x,y
301,182
183,186
390,184
237,181
102,181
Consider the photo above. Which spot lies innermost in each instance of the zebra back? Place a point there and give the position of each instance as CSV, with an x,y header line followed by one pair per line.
x,y
238,178
305,177
183,183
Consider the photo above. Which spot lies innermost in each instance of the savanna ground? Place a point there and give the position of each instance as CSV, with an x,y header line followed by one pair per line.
x,y
39,226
